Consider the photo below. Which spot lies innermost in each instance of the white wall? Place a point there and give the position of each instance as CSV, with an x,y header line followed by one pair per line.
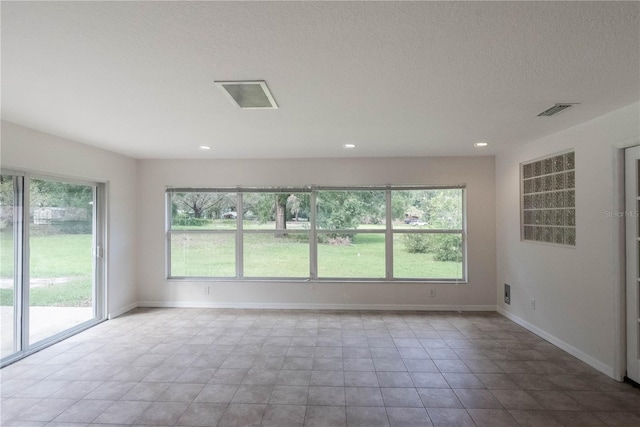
x,y
477,173
577,289
31,151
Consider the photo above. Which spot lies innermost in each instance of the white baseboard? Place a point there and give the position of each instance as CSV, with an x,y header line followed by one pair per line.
x,y
306,306
120,311
575,352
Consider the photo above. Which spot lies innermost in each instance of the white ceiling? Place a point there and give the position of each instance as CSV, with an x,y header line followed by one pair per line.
x,y
395,78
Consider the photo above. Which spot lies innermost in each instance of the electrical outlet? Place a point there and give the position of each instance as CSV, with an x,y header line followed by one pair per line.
x,y
432,292
507,294
533,304
206,289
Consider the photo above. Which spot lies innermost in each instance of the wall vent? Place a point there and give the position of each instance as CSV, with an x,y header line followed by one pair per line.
x,y
556,109
248,94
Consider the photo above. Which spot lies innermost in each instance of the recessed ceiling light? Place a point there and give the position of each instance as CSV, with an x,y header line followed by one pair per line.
x,y
480,144
204,147
349,146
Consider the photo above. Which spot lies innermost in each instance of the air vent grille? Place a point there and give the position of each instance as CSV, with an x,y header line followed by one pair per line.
x,y
556,109
248,94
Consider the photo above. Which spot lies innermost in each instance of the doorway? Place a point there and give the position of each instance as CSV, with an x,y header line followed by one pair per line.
x,y
51,280
632,207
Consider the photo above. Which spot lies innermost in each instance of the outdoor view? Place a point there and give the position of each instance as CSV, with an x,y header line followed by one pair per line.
x,y
60,287
350,226
7,266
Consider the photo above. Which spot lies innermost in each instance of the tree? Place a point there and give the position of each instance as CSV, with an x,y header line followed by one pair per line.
x,y
444,208
440,209
339,210
198,204
45,193
277,207
6,191
281,213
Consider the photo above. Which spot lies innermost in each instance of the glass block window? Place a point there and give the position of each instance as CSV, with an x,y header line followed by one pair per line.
x,y
549,199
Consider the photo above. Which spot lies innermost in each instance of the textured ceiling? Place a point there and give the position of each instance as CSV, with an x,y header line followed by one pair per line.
x,y
395,78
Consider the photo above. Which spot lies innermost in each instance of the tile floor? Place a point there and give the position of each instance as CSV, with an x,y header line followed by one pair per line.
x,y
222,367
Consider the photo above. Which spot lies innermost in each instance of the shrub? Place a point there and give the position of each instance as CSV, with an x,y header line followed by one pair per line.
x,y
191,222
339,241
416,243
444,247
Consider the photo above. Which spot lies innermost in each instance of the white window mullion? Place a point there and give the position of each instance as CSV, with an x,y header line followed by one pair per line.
x,y
313,238
239,237
388,236
23,284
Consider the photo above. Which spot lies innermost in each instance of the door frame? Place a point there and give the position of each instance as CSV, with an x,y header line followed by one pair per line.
x,y
21,256
631,273
618,232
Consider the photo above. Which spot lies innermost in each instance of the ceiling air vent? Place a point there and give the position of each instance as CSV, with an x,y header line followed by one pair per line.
x,y
556,109
248,94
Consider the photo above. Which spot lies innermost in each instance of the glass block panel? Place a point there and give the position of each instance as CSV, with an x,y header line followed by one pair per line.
x,y
537,185
558,181
558,217
558,235
528,217
537,233
571,179
538,217
546,195
538,201
570,236
570,217
558,163
537,168
528,233
569,161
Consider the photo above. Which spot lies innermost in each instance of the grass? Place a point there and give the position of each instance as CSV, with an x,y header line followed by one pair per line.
x,y
69,256
268,256
65,256
76,293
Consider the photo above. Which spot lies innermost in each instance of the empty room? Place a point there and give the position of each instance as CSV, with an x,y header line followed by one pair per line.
x,y
320,213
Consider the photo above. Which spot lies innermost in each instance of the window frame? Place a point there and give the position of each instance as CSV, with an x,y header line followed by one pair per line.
x,y
313,233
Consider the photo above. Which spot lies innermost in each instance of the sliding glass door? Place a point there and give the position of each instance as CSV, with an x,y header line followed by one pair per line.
x,y
51,267
10,229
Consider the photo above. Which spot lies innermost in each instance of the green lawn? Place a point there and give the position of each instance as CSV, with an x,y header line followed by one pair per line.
x,y
69,257
269,256
65,256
